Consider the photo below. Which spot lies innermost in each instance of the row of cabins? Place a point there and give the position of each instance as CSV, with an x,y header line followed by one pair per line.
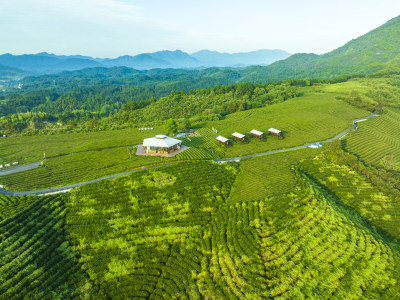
x,y
255,133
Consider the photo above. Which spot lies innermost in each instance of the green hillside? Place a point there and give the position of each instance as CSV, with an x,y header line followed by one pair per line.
x,y
378,50
37,261
174,233
9,73
377,142
212,222
313,117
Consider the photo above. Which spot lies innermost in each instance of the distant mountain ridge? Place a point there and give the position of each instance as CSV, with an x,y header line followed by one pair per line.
x,y
259,57
375,51
45,63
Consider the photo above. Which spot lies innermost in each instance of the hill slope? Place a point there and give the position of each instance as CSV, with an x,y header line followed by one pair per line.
x,y
375,51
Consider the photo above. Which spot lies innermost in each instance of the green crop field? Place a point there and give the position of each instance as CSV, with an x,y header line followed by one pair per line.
x,y
269,175
172,233
202,147
26,149
138,234
78,167
314,117
9,206
377,142
36,260
356,191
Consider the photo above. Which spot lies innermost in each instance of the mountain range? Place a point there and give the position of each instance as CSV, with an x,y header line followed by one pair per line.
x,y
376,51
45,63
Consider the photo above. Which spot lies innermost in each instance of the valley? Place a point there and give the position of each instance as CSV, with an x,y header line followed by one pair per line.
x,y
307,206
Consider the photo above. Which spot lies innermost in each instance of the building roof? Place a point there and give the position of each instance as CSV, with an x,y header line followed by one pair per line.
x,y
161,141
238,135
222,139
274,130
256,132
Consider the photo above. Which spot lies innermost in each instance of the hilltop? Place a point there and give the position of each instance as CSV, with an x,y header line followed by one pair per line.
x,y
376,51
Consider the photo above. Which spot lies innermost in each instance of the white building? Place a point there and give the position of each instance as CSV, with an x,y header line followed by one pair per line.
x,y
161,144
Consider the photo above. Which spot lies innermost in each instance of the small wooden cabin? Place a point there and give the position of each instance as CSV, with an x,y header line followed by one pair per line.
x,y
257,134
224,141
275,132
238,136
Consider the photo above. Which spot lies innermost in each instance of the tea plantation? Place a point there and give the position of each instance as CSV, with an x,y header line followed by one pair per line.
x,y
303,120
173,232
377,142
301,224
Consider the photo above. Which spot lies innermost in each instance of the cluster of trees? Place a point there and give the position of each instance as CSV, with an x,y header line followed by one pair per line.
x,y
208,104
106,107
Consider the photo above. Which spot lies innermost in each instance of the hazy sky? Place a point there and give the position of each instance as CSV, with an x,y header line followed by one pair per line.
x,y
110,28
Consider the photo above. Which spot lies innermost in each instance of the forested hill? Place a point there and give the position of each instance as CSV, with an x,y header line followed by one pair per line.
x,y
376,51
9,73
33,112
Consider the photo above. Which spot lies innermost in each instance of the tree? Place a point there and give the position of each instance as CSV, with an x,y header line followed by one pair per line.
x,y
186,124
93,124
170,126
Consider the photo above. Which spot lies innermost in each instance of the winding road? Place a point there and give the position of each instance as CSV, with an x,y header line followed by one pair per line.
x,y
67,188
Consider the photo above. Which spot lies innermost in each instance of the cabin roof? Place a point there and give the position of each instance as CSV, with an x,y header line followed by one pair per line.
x,y
277,131
256,132
161,141
238,135
222,139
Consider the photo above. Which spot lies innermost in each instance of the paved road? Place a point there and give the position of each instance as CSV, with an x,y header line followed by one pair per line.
x,y
339,136
67,188
19,168
36,164
71,186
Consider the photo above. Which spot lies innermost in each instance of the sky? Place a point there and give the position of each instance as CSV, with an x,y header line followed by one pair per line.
x,y
111,28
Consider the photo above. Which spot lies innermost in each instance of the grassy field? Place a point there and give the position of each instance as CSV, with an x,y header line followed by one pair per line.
x,y
355,190
377,142
269,175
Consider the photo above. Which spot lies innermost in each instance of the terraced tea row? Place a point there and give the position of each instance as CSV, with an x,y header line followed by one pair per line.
x,y
315,117
10,206
265,176
356,191
137,234
76,168
204,146
377,142
171,233
36,260
310,250
15,148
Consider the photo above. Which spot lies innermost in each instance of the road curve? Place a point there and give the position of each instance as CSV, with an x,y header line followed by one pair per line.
x,y
339,136
66,188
